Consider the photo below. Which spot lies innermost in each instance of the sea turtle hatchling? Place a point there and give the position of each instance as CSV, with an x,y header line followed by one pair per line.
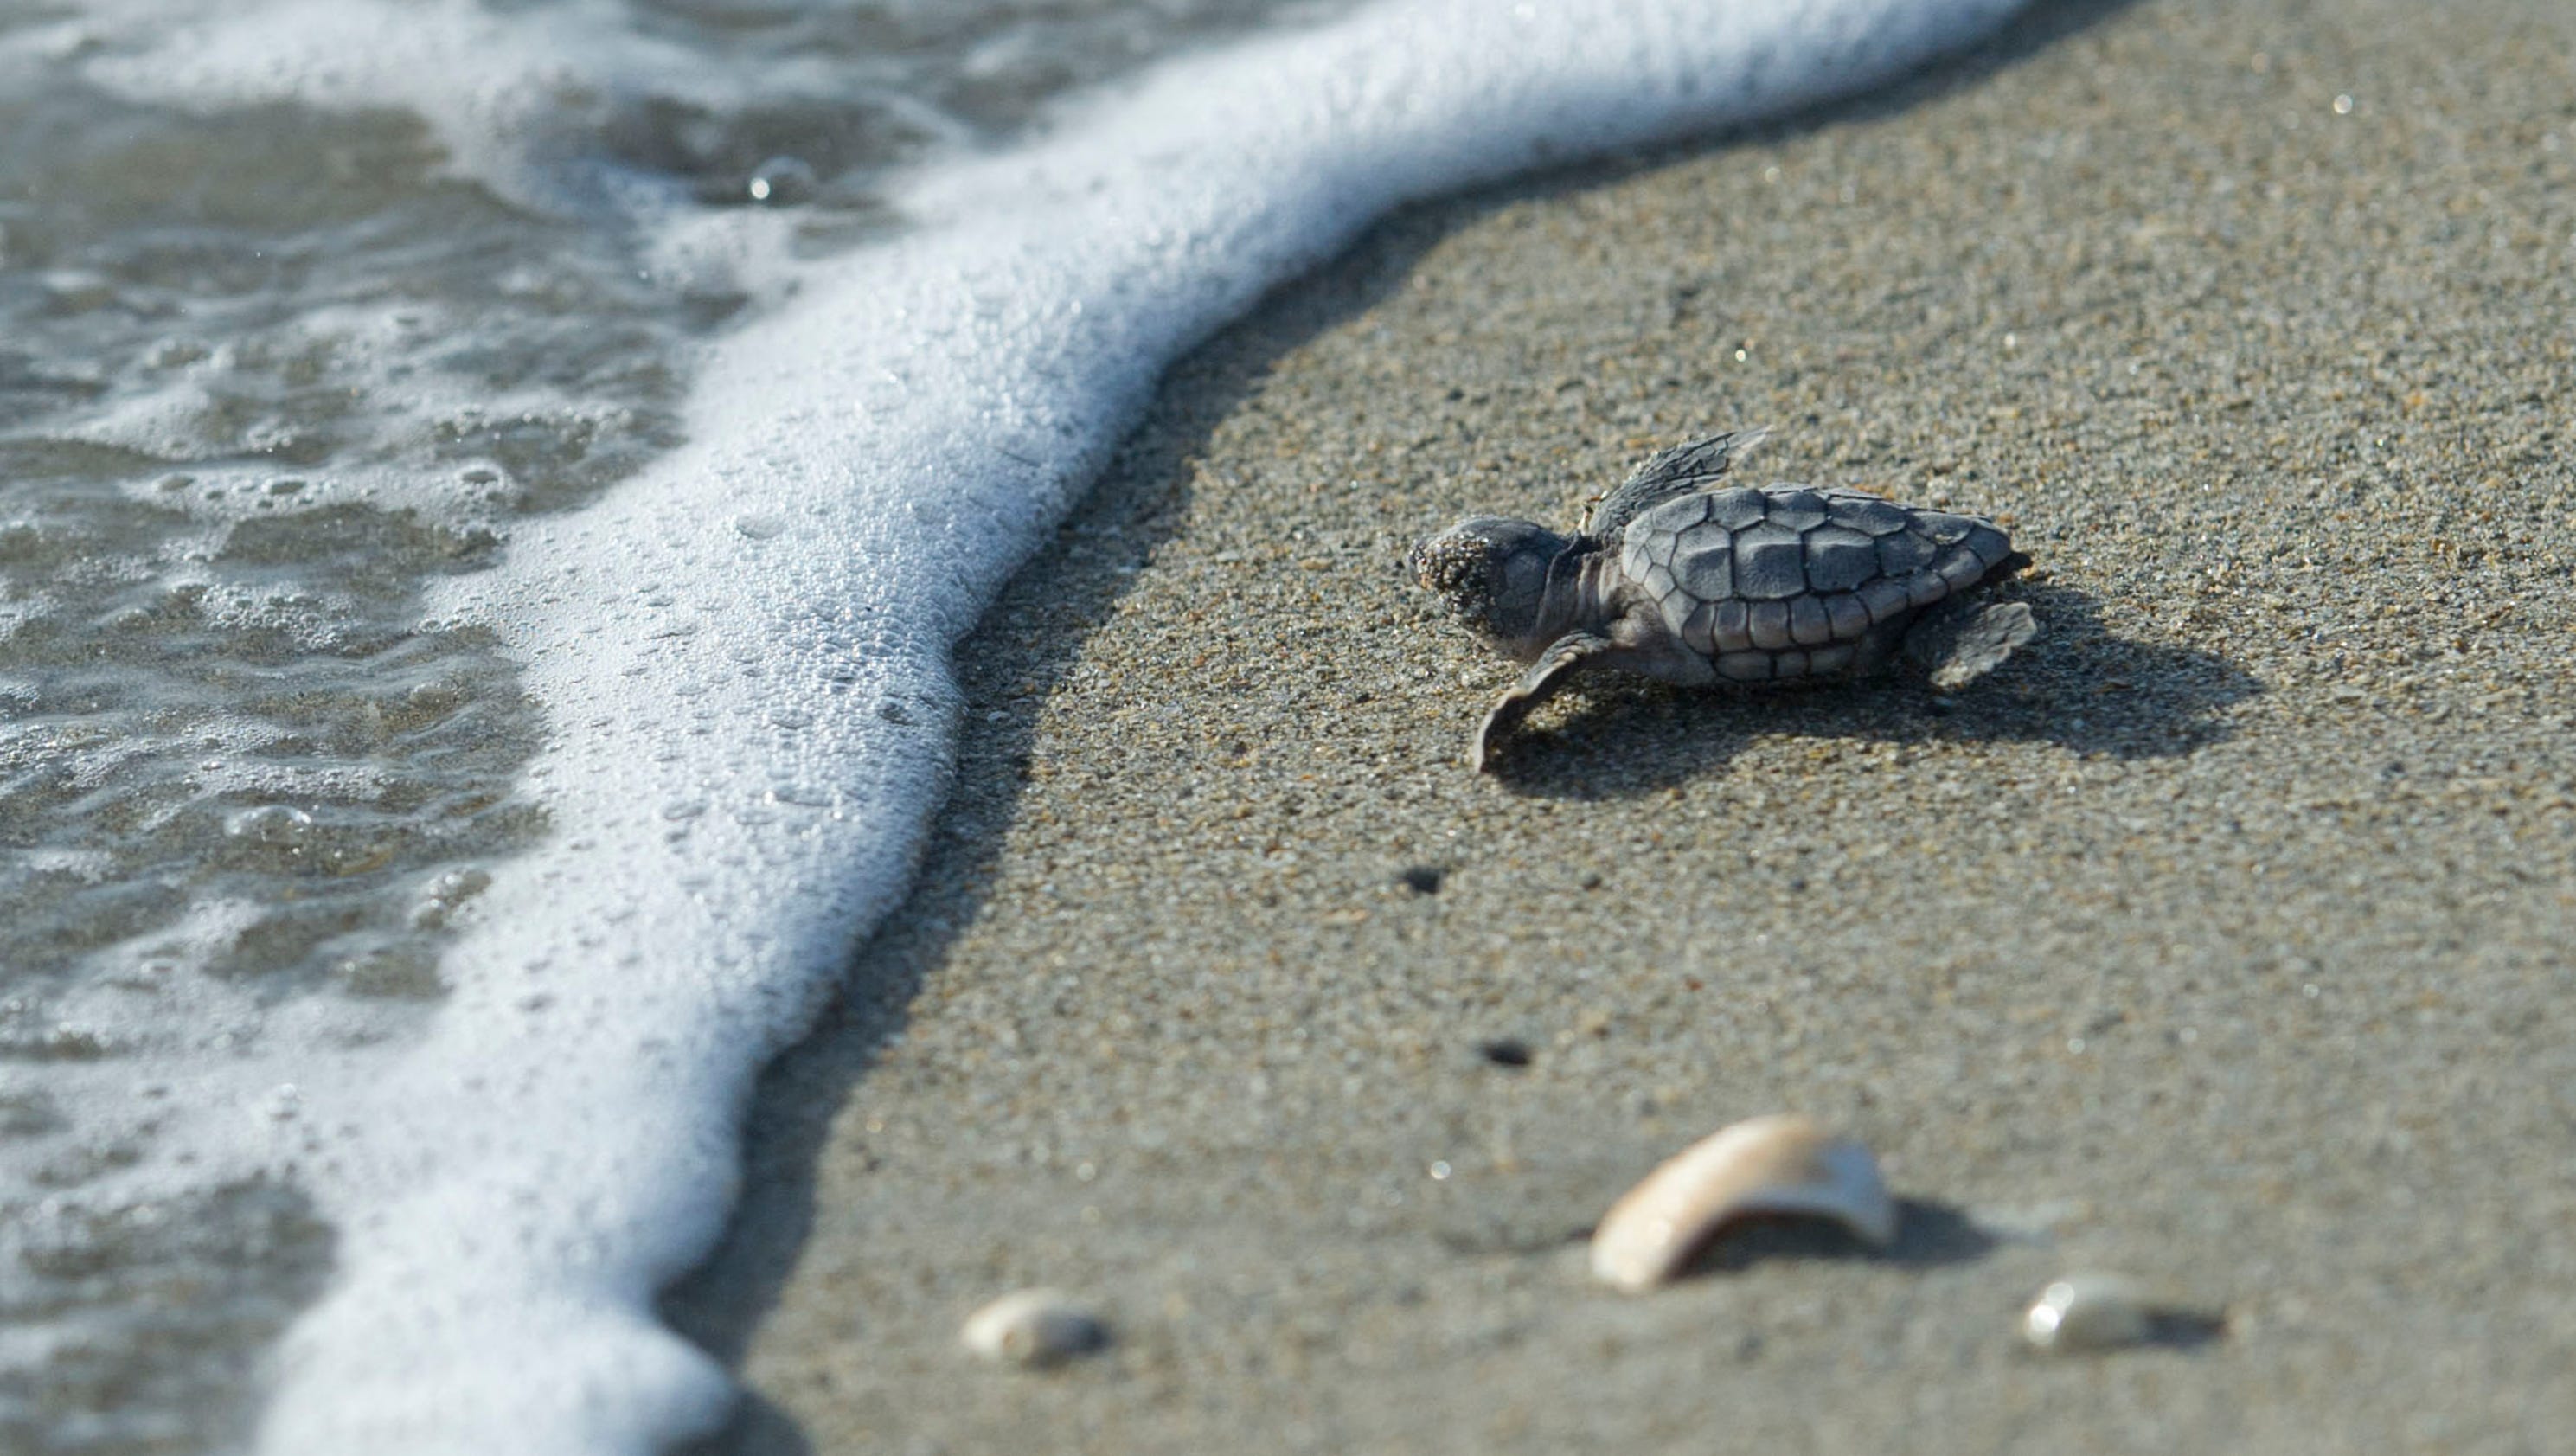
x,y
1682,576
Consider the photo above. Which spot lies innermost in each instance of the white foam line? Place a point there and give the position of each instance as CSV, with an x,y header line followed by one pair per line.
x,y
745,660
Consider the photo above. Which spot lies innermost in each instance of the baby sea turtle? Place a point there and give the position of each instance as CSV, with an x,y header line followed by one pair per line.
x,y
1682,576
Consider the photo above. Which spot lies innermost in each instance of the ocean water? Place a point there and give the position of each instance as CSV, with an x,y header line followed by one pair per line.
x,y
487,491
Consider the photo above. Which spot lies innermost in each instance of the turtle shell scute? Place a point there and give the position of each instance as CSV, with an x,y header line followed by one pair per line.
x,y
1737,507
1839,558
1770,563
1707,572
1905,553
1866,514
1809,626
1798,510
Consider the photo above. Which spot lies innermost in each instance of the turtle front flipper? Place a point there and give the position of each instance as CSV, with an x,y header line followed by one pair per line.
x,y
1675,472
1960,642
1545,676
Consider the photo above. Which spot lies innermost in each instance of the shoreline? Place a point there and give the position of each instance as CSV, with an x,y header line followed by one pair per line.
x,y
2139,957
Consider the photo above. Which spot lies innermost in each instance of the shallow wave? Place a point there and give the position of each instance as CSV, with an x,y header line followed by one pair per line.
x,y
302,309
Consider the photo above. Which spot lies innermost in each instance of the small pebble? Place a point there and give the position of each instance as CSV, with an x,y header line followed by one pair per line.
x,y
1034,1328
2090,1312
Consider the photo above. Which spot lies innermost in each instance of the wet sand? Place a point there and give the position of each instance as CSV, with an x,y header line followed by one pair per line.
x,y
2224,940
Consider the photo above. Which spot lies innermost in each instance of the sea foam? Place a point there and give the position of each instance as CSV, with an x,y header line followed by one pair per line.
x,y
744,652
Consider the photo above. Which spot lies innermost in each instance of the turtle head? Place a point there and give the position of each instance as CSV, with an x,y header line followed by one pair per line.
x,y
1491,572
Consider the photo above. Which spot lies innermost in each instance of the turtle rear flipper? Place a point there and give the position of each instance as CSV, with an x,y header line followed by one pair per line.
x,y
1550,672
1960,642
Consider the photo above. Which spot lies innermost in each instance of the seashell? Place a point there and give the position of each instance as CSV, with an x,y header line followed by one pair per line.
x,y
2087,1312
1784,1164
1035,1327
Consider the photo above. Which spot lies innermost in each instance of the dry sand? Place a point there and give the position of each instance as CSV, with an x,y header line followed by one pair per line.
x,y
2225,941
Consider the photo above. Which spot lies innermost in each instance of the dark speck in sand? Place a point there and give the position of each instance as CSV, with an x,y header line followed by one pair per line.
x,y
1505,1051
1423,879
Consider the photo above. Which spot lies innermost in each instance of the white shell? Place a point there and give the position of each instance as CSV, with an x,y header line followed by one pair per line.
x,y
2090,1312
1034,1327
1783,1164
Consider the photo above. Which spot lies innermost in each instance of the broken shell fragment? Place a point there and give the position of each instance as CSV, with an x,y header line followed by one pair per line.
x,y
1035,1327
1776,1165
2086,1312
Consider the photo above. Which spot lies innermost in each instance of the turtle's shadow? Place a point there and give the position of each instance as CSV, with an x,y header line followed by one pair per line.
x,y
2080,686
